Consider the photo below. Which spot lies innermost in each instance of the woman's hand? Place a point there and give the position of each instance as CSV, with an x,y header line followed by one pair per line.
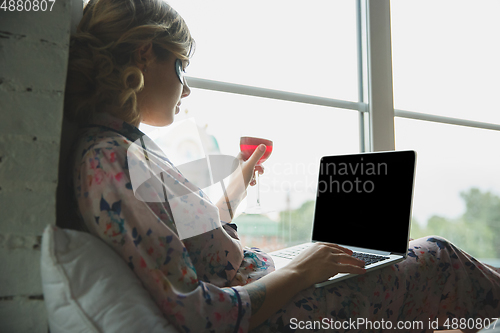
x,y
249,167
321,261
260,170
315,264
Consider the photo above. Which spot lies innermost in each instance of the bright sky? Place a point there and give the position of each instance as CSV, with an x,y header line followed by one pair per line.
x,y
445,61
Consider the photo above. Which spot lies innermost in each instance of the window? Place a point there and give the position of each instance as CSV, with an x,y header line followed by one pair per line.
x,y
282,45
289,72
445,73
445,58
304,58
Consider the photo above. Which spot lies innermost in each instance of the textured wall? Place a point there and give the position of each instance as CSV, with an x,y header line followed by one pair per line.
x,y
33,60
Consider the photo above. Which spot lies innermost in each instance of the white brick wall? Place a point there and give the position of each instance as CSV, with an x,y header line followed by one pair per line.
x,y
33,61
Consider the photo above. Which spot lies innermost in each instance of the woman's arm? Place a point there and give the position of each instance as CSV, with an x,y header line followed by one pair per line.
x,y
315,264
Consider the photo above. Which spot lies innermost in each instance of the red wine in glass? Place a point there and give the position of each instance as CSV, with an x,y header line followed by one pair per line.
x,y
248,145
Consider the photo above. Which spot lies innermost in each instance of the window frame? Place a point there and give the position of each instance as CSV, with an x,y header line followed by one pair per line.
x,y
375,101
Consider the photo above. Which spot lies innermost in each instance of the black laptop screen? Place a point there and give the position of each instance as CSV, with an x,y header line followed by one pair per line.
x,y
364,200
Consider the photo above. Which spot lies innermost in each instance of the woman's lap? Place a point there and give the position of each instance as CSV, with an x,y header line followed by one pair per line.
x,y
437,280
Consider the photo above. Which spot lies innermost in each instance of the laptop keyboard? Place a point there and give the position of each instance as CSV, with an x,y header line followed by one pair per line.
x,y
369,258
290,253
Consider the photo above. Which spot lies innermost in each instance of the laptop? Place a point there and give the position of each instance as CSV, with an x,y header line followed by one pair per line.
x,y
363,203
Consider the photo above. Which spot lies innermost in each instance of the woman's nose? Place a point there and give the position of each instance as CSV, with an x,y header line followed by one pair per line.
x,y
185,89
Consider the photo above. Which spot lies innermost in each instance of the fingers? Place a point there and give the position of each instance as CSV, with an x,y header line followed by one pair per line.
x,y
257,154
260,170
345,263
321,261
249,166
253,181
345,268
335,246
343,258
239,157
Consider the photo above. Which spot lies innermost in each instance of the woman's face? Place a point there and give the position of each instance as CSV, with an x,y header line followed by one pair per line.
x,y
160,99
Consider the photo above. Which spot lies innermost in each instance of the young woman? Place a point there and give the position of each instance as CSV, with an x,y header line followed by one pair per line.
x,y
126,66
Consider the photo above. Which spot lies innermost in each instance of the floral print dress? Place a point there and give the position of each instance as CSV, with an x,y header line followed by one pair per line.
x,y
195,276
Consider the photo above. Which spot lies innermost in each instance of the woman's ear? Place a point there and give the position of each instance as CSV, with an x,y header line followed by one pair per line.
x,y
144,56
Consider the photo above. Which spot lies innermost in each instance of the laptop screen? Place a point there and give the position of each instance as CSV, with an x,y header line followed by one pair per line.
x,y
364,200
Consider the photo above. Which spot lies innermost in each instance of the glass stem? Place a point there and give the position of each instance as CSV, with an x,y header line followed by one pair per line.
x,y
258,189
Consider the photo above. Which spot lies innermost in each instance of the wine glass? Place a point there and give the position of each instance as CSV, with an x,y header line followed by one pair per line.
x,y
248,145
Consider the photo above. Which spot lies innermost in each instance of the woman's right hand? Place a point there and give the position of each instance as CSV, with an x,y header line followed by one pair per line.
x,y
320,261
315,264
250,167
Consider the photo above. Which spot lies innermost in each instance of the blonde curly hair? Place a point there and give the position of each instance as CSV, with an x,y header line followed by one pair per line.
x,y
102,70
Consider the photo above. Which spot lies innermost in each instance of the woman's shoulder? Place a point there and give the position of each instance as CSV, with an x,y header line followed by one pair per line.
x,y
99,163
99,151
91,141
96,137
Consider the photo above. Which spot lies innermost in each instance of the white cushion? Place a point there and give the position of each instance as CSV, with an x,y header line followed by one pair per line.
x,y
89,288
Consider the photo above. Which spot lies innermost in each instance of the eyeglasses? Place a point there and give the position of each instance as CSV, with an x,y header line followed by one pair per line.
x,y
179,70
